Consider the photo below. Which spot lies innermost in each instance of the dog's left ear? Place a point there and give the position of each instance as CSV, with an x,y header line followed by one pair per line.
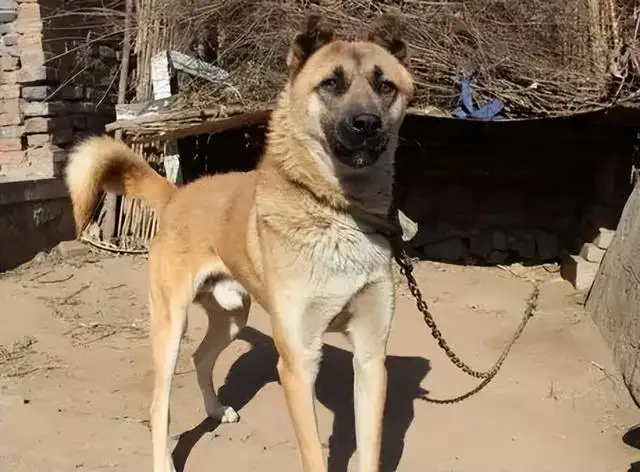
x,y
387,32
315,33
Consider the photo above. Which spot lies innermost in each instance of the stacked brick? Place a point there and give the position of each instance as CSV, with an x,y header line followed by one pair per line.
x,y
42,110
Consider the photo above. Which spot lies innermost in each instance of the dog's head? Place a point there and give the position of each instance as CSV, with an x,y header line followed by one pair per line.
x,y
347,99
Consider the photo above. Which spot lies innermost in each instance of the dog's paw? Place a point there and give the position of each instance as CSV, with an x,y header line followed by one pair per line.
x,y
225,414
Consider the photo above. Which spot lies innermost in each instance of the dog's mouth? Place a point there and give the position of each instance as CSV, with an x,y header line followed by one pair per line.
x,y
358,155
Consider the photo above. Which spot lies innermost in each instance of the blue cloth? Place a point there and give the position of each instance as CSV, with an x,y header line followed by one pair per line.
x,y
487,112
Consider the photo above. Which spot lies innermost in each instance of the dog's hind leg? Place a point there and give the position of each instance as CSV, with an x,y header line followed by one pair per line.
x,y
168,322
224,325
368,330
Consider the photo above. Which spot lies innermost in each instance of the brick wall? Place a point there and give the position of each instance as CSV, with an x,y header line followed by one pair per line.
x,y
56,84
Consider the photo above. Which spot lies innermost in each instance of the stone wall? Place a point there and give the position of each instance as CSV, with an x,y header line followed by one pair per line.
x,y
489,193
56,85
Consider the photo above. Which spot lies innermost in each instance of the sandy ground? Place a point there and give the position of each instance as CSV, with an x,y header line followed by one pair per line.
x,y
75,381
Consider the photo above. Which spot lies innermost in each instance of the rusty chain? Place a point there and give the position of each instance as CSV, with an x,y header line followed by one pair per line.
x,y
391,228
406,268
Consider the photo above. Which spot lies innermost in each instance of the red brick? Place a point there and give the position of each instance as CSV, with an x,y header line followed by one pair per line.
x,y
28,20
29,41
38,140
42,108
9,63
13,131
9,77
10,39
47,153
12,158
10,51
38,125
28,10
10,144
40,92
32,53
7,28
9,91
10,112
7,16
36,73
20,167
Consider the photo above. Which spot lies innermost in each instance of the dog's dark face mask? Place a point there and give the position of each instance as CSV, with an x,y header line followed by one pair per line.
x,y
357,124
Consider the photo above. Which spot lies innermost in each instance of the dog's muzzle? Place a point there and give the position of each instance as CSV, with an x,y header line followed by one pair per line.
x,y
359,140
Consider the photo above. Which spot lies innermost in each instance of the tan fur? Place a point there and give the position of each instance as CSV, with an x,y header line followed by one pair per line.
x,y
102,164
282,235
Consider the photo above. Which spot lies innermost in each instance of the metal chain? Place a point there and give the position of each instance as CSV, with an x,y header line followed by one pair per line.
x,y
406,268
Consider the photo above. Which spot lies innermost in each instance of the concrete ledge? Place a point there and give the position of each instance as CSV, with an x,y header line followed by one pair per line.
x,y
35,215
20,191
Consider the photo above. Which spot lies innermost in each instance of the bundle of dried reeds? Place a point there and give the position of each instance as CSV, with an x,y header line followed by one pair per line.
x,y
542,58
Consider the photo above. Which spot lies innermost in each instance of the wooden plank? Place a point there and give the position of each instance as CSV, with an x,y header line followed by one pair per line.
x,y
614,300
188,117
206,127
131,111
161,75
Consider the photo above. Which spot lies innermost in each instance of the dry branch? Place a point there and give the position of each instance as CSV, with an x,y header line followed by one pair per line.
x,y
541,57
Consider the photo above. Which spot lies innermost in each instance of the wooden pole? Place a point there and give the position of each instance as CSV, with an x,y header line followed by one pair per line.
x,y
109,209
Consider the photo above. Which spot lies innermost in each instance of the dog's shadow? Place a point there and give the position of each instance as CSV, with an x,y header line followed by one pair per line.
x,y
334,389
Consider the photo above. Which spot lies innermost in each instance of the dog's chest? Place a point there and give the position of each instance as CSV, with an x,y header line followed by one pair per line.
x,y
341,255
321,249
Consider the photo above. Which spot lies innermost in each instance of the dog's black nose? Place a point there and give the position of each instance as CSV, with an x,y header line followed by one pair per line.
x,y
366,124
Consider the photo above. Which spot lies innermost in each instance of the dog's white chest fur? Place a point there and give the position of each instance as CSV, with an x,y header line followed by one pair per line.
x,y
341,259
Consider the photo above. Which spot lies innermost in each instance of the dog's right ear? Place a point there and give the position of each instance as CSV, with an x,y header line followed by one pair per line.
x,y
316,32
387,31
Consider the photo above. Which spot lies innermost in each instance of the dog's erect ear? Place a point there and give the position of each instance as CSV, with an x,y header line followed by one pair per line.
x,y
315,33
387,32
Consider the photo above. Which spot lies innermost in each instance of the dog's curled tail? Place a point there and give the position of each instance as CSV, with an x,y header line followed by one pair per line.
x,y
103,164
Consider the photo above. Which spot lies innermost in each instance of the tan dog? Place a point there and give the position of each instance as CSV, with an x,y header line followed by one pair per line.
x,y
283,234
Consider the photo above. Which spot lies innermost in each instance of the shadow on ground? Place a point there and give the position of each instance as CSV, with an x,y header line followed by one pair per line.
x,y
334,389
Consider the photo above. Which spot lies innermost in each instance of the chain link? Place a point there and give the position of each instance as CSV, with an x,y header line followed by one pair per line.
x,y
406,268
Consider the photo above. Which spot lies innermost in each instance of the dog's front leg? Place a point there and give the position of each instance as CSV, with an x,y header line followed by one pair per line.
x,y
298,338
368,330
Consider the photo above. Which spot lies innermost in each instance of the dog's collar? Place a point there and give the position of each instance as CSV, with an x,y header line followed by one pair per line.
x,y
386,226
389,227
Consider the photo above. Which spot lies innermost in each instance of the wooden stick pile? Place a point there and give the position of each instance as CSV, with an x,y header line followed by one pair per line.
x,y
542,58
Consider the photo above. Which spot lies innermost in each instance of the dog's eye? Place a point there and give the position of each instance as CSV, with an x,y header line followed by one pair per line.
x,y
329,84
386,87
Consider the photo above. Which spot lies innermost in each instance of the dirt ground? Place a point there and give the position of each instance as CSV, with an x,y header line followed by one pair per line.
x,y
75,380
